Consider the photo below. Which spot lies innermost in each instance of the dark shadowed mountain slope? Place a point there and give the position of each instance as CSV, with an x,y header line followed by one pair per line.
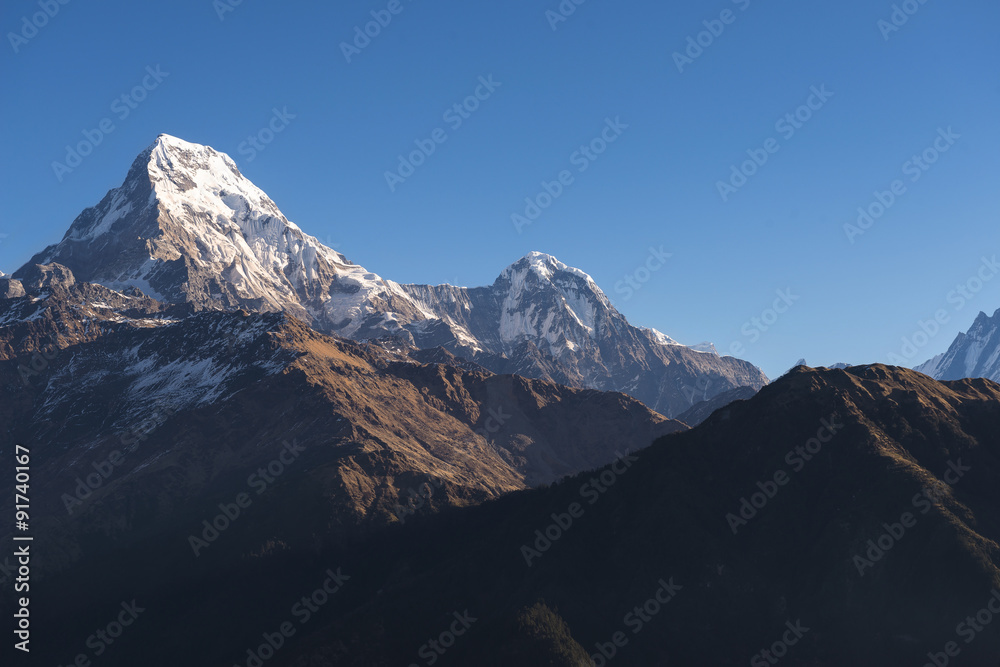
x,y
139,418
853,513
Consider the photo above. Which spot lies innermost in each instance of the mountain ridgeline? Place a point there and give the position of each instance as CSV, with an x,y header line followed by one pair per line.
x,y
975,353
186,227
837,517
264,455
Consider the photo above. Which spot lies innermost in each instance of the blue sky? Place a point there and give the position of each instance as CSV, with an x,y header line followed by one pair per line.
x,y
655,186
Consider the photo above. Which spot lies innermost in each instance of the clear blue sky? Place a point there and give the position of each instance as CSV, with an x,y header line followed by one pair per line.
x,y
656,185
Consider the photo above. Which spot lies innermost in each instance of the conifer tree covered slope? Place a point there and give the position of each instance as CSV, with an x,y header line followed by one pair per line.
x,y
868,537
186,227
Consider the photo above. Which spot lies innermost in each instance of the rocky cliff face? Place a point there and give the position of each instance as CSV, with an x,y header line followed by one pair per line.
x,y
973,354
186,226
542,318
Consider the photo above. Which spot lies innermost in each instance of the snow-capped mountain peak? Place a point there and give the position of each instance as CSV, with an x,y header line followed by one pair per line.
x,y
543,298
187,227
975,353
545,266
190,178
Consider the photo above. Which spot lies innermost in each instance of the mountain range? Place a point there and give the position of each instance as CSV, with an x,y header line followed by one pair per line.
x,y
186,405
836,517
186,227
269,455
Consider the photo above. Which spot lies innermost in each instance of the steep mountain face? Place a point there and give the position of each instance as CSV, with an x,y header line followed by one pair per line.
x,y
187,227
878,543
703,410
140,414
542,318
838,517
55,313
974,354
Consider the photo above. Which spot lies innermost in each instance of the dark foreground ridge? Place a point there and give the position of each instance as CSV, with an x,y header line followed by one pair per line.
x,y
837,517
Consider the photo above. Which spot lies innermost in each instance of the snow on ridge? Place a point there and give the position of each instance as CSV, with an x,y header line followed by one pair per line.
x,y
579,302
194,381
932,366
664,339
118,208
241,230
188,177
138,280
659,336
546,266
200,375
582,309
583,301
975,353
229,230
